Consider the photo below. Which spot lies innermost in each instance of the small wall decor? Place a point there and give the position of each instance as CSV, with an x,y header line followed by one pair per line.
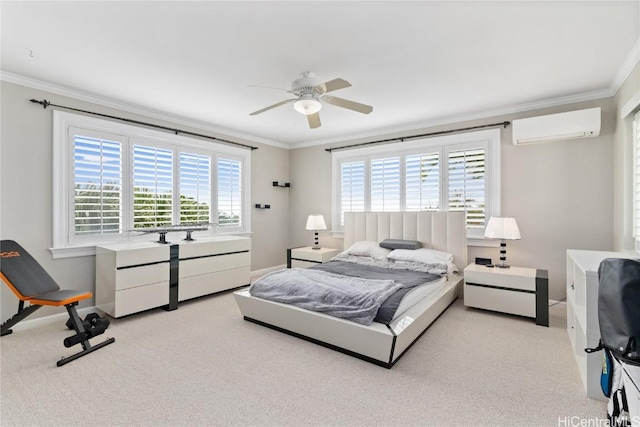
x,y
285,185
259,206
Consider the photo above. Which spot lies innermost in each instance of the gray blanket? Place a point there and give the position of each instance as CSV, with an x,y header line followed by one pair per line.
x,y
341,289
351,298
408,278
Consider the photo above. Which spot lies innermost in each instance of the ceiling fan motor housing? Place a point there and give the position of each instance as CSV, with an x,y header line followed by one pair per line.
x,y
308,84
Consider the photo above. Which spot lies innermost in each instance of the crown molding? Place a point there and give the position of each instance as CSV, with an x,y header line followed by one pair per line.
x,y
628,65
135,109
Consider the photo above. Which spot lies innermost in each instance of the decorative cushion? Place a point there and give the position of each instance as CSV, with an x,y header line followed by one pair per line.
x,y
400,244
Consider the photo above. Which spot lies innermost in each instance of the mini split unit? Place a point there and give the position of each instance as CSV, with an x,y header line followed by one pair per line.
x,y
557,127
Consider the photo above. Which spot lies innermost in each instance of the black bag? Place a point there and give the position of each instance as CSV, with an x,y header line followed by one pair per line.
x,y
619,308
619,320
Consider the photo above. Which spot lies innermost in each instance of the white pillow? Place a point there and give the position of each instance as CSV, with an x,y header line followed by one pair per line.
x,y
367,248
423,255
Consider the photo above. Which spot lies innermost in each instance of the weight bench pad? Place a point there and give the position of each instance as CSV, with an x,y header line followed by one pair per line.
x,y
29,281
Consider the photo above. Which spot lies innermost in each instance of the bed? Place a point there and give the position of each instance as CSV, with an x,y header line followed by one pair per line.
x,y
382,344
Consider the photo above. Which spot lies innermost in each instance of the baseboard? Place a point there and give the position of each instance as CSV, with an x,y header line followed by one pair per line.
x,y
53,318
255,275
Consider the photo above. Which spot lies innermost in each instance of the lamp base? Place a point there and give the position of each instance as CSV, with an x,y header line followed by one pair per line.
x,y
502,266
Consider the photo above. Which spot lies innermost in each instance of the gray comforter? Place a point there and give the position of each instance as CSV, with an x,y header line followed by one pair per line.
x,y
341,289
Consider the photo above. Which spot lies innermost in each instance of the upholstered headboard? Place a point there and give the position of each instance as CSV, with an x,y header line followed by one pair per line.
x,y
443,231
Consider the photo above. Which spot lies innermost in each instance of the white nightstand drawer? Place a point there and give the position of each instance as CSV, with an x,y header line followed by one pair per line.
x,y
310,254
296,263
511,278
505,301
308,257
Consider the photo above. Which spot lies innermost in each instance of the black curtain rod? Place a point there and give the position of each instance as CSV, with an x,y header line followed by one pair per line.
x,y
46,104
407,138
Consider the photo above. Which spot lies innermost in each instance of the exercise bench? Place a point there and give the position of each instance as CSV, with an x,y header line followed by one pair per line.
x,y
31,283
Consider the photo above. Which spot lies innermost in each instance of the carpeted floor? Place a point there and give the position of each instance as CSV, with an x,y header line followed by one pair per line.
x,y
204,365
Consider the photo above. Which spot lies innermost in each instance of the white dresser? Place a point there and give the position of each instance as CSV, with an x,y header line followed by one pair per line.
x,y
582,314
136,276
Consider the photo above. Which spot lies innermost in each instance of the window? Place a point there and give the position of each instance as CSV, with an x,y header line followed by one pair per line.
x,y
112,179
636,180
195,188
455,173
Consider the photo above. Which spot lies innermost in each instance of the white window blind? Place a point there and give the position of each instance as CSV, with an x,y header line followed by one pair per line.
x,y
195,188
422,182
636,179
450,173
352,193
229,193
152,186
97,172
466,185
111,178
385,185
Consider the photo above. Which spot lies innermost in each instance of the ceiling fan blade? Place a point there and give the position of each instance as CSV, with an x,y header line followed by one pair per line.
x,y
345,103
336,84
273,106
314,120
269,87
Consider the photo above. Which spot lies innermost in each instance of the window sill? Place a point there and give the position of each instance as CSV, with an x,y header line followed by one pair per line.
x,y
71,252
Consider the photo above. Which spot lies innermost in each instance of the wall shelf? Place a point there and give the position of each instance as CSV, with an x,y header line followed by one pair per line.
x,y
284,185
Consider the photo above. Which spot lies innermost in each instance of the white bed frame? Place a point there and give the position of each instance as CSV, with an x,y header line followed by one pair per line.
x,y
376,343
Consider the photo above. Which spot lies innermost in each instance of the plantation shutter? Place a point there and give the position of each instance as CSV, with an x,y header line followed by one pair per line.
x,y
229,193
385,185
195,188
352,197
636,179
422,189
467,185
152,187
97,172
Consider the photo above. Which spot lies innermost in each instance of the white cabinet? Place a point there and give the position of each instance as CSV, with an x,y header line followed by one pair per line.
x,y
213,265
582,314
137,276
513,290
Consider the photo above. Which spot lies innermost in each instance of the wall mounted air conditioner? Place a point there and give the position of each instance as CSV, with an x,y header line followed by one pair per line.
x,y
557,127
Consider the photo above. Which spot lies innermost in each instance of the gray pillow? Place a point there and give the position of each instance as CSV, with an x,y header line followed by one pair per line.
x,y
400,244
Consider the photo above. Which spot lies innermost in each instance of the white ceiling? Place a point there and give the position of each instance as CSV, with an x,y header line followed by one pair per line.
x,y
417,63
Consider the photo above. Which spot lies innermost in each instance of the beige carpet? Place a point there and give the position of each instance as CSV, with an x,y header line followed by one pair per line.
x,y
204,365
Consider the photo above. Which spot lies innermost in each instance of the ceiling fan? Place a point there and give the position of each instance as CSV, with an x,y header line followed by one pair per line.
x,y
309,91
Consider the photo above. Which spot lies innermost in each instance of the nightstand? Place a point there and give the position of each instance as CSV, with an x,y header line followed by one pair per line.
x,y
307,256
514,290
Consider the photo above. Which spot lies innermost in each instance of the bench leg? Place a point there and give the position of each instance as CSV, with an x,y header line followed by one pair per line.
x,y
81,337
22,313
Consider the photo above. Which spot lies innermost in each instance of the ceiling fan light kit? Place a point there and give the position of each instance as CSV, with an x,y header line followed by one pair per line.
x,y
307,104
310,91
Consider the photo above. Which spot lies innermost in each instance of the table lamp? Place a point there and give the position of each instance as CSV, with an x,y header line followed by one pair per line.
x,y
316,222
504,229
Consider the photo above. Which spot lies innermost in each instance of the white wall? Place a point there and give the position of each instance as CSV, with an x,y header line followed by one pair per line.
x,y
559,192
26,200
626,102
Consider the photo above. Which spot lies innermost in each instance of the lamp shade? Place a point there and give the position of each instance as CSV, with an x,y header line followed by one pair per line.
x,y
502,228
316,222
307,105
